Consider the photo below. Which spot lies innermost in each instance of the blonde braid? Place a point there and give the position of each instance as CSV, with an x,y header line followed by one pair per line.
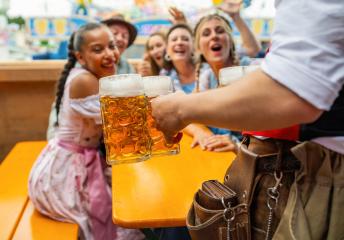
x,y
234,56
197,74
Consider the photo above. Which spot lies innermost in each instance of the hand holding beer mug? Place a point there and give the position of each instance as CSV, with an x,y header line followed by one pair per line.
x,y
155,86
124,115
229,75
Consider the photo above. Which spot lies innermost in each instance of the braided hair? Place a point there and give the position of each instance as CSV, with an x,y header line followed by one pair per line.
x,y
76,41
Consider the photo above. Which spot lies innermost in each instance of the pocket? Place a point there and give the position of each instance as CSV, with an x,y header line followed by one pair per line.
x,y
213,207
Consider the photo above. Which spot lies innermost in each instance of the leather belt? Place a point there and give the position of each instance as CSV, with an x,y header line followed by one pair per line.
x,y
273,155
269,163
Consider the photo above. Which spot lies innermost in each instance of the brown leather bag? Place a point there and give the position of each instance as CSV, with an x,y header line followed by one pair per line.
x,y
224,214
246,183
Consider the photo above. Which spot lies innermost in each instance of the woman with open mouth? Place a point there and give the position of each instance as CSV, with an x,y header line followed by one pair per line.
x,y
153,60
180,65
215,45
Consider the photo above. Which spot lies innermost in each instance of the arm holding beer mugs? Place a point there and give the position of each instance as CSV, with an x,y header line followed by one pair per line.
x,y
200,133
232,107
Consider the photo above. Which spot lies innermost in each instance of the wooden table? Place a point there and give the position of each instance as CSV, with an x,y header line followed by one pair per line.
x,y
158,192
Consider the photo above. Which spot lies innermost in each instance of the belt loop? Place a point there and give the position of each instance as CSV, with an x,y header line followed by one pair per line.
x,y
246,140
279,156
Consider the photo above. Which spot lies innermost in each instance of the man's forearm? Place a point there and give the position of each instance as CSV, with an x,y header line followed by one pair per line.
x,y
272,105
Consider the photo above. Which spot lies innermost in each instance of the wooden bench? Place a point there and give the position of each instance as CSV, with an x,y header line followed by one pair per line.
x,y
18,219
34,225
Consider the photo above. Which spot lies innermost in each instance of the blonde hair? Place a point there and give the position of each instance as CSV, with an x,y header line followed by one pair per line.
x,y
197,34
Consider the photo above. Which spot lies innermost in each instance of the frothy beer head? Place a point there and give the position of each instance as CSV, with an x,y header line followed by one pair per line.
x,y
229,75
251,68
157,85
122,85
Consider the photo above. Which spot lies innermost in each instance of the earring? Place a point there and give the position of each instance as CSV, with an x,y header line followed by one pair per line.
x,y
167,58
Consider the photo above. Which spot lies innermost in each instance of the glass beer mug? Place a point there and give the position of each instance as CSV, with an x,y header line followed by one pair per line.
x,y
124,115
229,75
155,86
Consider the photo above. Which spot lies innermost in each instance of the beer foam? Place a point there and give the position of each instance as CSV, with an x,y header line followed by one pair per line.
x,y
157,85
121,85
251,68
229,75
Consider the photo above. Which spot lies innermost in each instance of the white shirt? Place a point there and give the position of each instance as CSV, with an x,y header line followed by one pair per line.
x,y
307,53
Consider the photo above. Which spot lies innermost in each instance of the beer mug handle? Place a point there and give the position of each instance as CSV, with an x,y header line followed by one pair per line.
x,y
176,139
172,86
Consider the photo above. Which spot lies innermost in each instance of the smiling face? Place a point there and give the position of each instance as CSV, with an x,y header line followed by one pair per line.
x,y
156,49
179,45
214,41
98,52
121,35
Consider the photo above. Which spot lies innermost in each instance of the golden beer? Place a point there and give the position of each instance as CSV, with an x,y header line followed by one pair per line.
x,y
160,147
125,129
155,86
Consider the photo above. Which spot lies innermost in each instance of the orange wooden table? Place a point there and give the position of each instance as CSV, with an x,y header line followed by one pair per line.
x,y
158,192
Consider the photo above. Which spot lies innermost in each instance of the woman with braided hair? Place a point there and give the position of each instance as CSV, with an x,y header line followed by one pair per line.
x,y
215,45
67,181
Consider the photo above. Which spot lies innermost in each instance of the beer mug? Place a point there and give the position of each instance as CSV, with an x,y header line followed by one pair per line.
x,y
124,115
229,75
251,68
156,86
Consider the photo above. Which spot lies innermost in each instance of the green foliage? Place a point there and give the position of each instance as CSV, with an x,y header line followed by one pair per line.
x,y
16,20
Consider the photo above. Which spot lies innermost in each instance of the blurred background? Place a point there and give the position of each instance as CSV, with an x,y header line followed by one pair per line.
x,y
39,29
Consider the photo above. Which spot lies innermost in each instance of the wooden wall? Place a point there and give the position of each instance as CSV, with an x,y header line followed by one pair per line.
x,y
27,90
26,93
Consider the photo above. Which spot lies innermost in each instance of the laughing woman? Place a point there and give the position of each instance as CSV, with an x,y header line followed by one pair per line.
x,y
215,45
153,60
181,67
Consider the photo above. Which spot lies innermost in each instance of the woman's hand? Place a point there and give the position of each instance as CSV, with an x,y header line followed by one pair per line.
x,y
200,136
144,68
231,7
177,15
220,143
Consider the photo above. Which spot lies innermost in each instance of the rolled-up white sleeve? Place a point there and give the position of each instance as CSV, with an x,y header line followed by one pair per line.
x,y
307,51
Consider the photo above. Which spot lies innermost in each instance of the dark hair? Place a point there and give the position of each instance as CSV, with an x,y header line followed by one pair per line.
x,y
154,66
168,64
76,41
179,25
